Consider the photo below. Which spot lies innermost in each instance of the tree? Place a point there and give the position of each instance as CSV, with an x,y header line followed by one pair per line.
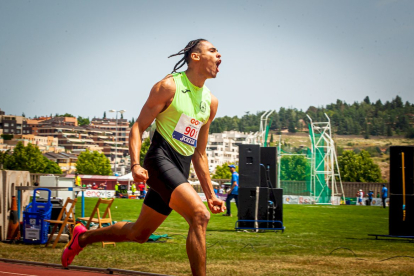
x,y
83,121
30,159
52,167
389,131
144,148
94,163
104,116
122,115
3,158
132,122
223,171
291,127
410,133
65,115
294,167
358,167
23,115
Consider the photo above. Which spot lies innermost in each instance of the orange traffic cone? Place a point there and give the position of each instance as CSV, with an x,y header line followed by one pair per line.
x,y
13,229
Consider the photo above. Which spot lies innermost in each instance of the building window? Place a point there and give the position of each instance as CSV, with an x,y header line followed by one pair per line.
x,y
6,124
6,130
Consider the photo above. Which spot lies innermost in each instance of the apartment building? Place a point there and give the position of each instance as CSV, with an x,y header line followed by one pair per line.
x,y
224,147
66,161
11,124
44,144
114,136
73,138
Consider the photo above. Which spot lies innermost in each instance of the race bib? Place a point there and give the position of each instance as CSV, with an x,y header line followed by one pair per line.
x,y
187,130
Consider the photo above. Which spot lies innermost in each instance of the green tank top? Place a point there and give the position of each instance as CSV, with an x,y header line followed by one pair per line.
x,y
181,122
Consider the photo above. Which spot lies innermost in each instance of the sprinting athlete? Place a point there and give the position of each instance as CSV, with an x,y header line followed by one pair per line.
x,y
183,109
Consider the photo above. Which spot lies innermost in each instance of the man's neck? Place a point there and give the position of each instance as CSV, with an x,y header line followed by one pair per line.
x,y
195,78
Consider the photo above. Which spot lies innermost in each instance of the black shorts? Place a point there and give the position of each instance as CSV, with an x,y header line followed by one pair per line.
x,y
167,169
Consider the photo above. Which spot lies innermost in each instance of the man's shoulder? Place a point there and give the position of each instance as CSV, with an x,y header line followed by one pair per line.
x,y
165,86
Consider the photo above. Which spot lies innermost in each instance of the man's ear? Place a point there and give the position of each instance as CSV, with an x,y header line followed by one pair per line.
x,y
195,56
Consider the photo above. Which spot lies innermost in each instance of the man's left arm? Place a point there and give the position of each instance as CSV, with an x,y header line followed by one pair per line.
x,y
200,163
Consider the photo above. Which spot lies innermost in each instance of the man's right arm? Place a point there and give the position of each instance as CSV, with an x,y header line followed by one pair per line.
x,y
161,94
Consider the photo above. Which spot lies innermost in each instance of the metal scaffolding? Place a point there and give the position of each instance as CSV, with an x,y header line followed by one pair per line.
x,y
323,164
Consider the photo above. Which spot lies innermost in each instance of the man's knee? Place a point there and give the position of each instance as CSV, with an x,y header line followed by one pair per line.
x,y
200,217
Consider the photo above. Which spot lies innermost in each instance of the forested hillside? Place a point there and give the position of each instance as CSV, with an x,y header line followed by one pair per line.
x,y
360,118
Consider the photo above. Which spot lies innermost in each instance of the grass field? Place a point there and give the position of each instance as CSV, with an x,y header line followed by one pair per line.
x,y
312,233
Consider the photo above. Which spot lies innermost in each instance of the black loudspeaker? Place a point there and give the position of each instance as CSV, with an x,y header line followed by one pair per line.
x,y
396,180
275,206
249,166
253,205
268,157
398,226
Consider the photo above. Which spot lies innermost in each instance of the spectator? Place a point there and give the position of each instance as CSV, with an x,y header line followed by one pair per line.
x,y
233,192
370,194
221,191
384,194
94,186
141,187
133,188
360,196
117,189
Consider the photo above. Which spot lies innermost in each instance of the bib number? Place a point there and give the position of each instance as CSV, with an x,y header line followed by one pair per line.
x,y
187,130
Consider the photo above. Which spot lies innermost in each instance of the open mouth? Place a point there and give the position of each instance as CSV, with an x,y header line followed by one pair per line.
x,y
218,64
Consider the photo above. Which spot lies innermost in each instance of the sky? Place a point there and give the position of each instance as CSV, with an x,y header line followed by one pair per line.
x,y
87,57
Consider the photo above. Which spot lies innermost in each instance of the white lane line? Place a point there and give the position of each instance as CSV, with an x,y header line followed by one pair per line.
x,y
5,272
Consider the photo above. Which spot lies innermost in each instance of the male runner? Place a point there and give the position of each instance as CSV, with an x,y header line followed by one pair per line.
x,y
184,109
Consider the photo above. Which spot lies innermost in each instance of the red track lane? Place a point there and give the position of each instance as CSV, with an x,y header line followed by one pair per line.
x,y
10,269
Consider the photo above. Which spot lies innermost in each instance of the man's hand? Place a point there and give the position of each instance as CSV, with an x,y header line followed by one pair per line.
x,y
216,205
139,174
229,192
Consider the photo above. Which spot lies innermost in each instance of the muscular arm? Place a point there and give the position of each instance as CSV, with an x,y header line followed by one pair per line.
x,y
200,162
159,98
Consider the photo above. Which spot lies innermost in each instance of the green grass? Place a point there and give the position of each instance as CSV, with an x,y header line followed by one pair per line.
x,y
312,233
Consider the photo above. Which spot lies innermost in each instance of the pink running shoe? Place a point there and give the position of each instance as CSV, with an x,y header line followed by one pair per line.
x,y
73,248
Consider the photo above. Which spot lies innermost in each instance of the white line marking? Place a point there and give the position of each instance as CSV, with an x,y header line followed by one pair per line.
x,y
5,272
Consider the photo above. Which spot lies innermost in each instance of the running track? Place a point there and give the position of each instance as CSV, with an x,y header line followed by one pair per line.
x,y
11,268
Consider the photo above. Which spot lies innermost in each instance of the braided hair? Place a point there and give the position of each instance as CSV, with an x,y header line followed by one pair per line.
x,y
186,52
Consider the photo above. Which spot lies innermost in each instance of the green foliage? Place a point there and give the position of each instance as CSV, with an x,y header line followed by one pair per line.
x,y
65,115
132,122
4,155
104,115
94,163
223,172
410,133
358,167
295,168
374,151
144,148
366,118
7,136
83,121
30,159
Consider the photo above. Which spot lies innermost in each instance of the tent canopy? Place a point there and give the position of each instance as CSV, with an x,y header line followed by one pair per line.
x,y
127,177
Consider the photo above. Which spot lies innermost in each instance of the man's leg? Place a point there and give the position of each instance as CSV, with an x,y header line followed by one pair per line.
x,y
147,222
383,202
236,197
228,204
186,202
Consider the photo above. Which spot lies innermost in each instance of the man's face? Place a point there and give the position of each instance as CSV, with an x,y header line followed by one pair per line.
x,y
209,58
